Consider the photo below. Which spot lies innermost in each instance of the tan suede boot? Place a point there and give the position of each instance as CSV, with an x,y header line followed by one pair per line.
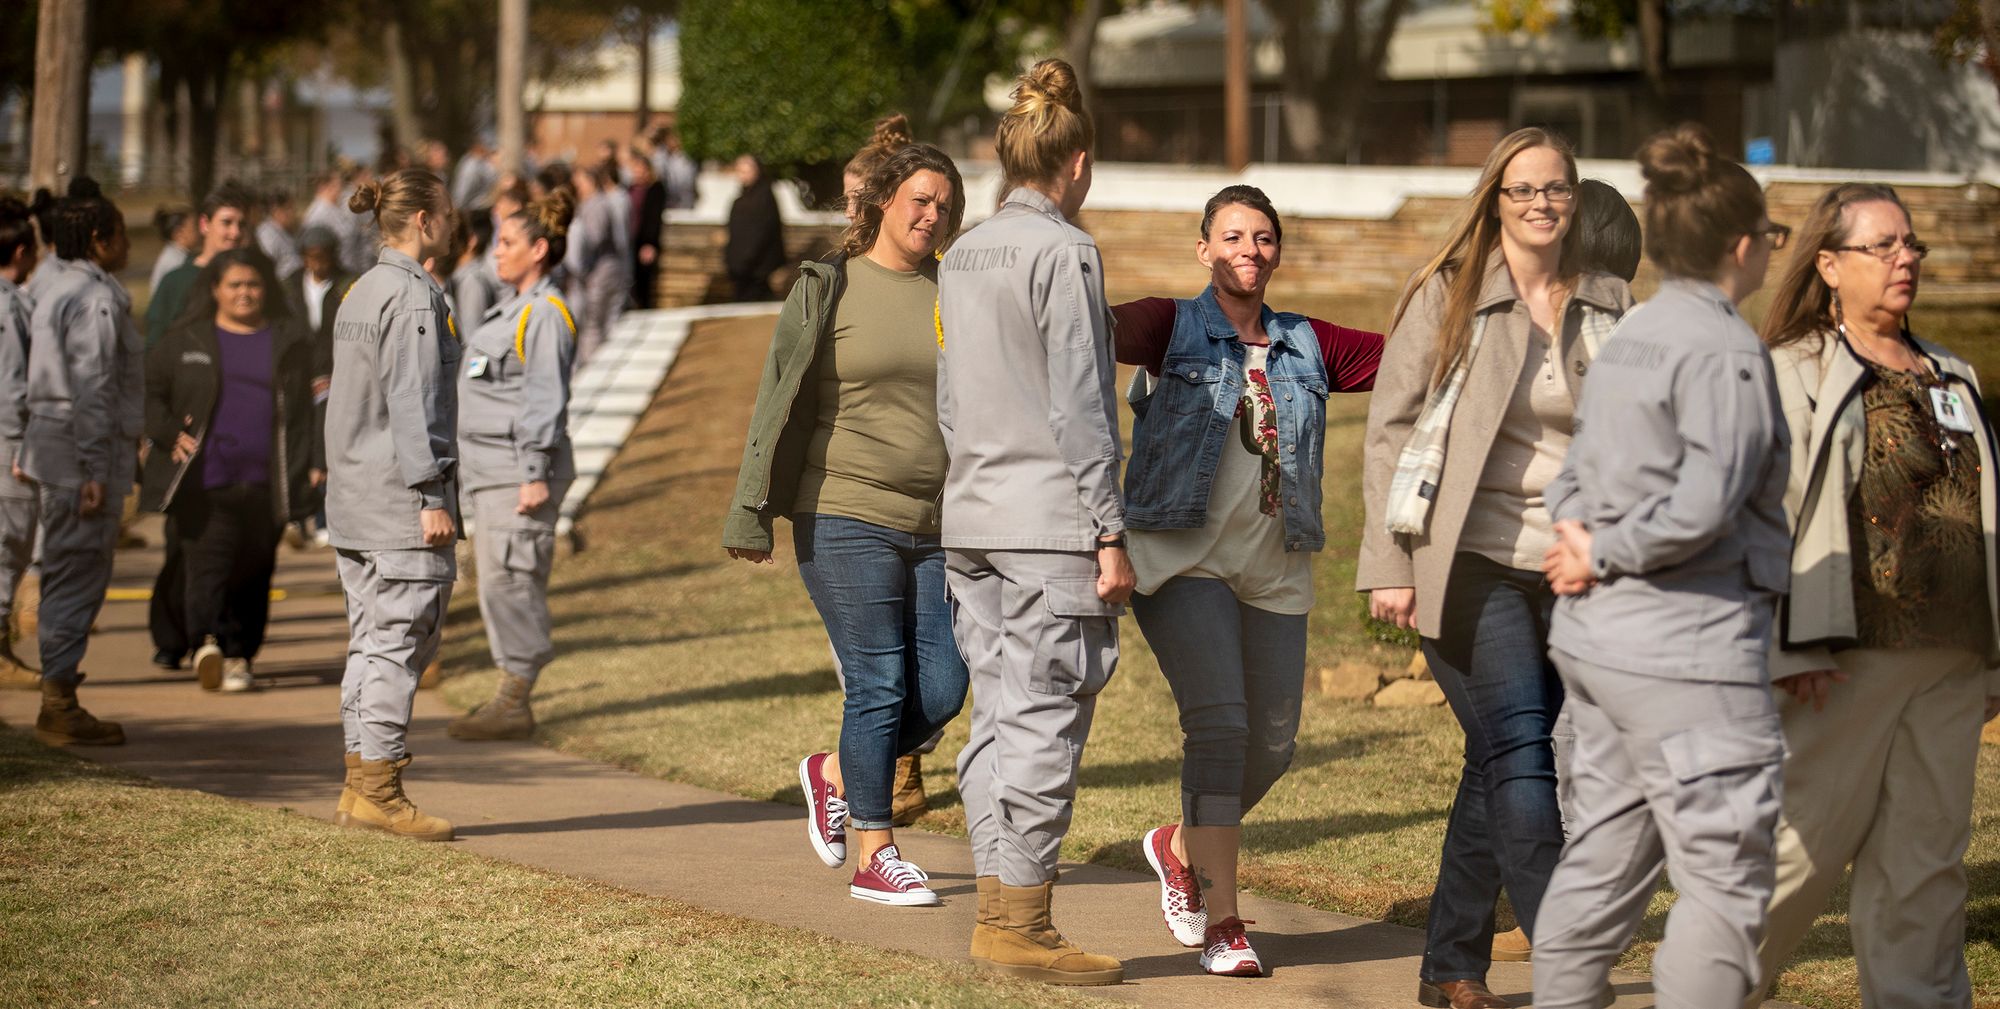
x,y
1026,944
13,674
63,722
379,804
349,788
1513,947
27,607
433,675
907,801
506,716
986,919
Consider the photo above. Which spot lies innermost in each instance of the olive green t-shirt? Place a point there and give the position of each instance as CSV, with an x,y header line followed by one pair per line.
x,y
876,454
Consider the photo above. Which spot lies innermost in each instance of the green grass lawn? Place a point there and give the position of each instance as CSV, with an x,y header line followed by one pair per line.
x,y
677,662
115,891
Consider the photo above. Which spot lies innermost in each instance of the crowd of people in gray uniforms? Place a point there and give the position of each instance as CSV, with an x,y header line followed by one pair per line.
x,y
1654,555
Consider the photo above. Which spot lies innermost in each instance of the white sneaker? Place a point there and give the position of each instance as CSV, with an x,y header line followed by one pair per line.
x,y
1228,952
1180,898
236,676
321,537
208,664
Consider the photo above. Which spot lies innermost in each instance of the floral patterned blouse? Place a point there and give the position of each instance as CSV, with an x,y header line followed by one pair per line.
x,y
1914,525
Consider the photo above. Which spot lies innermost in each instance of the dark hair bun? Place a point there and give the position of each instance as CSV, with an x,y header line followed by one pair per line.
x,y
366,197
1680,160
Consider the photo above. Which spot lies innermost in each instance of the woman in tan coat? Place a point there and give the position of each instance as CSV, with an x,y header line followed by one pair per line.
x,y
1469,421
1887,660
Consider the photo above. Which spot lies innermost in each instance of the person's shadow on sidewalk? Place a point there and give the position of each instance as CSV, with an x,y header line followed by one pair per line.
x,y
725,811
1359,944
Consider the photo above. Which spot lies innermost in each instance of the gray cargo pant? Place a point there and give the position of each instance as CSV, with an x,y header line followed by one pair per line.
x,y
513,554
19,517
395,621
76,571
1039,645
1677,773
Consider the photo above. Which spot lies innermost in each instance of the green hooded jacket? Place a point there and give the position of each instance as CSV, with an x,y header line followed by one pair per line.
x,y
787,407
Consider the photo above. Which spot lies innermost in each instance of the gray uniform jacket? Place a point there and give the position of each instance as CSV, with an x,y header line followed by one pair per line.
x,y
1026,386
86,383
1678,469
45,275
513,393
16,311
476,288
392,410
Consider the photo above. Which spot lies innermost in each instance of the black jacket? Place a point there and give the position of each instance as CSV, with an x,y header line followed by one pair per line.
x,y
652,205
295,294
756,246
184,380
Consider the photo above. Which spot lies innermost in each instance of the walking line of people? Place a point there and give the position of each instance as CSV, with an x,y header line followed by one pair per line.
x,y
1684,585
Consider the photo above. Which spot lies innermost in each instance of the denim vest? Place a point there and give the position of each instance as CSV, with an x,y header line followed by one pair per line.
x,y
1182,426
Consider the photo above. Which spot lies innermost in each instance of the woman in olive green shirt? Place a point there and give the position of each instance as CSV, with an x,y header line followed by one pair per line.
x,y
845,441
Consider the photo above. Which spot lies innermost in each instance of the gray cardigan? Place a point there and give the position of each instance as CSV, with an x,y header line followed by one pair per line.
x,y
1678,469
1027,394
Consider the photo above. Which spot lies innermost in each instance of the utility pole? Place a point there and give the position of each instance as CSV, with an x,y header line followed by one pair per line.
x,y
62,94
507,99
1236,87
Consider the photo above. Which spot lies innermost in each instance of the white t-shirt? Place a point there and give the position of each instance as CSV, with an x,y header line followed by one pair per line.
x,y
1243,542
315,292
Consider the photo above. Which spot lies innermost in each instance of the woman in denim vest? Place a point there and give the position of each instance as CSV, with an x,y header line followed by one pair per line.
x,y
1223,504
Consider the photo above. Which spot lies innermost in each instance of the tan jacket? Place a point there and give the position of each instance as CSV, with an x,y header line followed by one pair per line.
x,y
1819,384
1403,383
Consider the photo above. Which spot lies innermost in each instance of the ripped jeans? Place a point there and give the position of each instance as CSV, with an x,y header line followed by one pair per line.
x,y
1237,674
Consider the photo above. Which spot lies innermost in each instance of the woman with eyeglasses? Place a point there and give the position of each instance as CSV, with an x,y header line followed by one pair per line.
x,y
1889,656
1470,418
1670,516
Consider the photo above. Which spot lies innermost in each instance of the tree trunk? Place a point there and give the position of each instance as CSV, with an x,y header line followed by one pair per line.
x,y
1989,33
207,83
1298,87
62,79
1080,46
511,77
1654,26
1236,88
644,113
1354,66
403,116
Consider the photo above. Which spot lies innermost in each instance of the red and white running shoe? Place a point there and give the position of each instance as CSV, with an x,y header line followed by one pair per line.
x,y
826,813
888,879
1180,898
1228,951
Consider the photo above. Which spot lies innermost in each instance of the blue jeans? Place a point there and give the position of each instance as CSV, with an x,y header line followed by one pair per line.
x,y
881,595
1237,673
1491,658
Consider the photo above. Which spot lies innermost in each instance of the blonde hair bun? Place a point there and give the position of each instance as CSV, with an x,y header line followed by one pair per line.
x,y
1680,160
554,212
1048,84
892,132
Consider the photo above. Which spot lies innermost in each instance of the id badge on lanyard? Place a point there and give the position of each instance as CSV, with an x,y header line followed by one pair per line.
x,y
1950,410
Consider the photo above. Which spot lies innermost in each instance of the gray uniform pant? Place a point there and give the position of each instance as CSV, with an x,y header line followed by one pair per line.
x,y
1039,645
18,518
395,621
514,553
76,571
1675,773
604,292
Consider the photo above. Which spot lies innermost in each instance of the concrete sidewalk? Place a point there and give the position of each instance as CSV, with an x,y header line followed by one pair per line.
x,y
524,803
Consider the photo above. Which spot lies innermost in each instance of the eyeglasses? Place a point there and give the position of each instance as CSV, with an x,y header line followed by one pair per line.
x,y
1557,192
1779,234
1888,249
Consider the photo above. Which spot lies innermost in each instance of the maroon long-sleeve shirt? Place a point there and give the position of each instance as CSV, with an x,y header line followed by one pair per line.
x,y
1146,326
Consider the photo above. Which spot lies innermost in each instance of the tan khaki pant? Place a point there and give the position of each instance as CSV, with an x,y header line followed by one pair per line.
x,y
1882,778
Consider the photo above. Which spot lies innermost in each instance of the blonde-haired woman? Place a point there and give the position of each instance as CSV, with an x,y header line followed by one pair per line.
x,y
513,394
844,441
1889,650
392,490
1470,419
1034,529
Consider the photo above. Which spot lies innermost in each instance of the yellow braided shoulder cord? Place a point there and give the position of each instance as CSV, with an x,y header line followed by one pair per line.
x,y
521,328
937,306
451,324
